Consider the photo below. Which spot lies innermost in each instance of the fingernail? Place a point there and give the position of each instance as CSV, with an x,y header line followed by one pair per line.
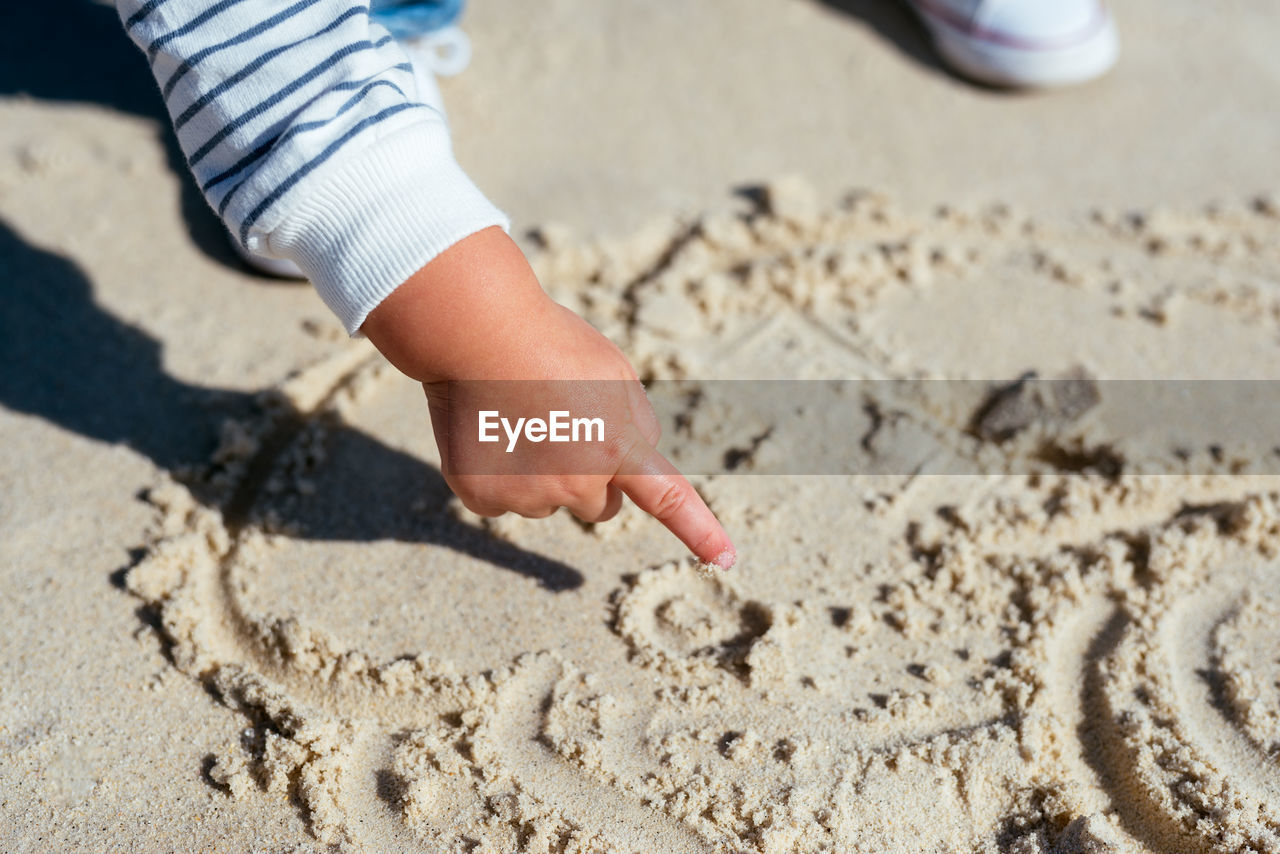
x,y
726,559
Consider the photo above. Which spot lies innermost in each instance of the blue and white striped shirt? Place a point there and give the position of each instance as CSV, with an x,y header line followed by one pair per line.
x,y
302,123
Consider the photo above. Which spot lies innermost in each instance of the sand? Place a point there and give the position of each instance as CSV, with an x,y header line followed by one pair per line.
x,y
242,611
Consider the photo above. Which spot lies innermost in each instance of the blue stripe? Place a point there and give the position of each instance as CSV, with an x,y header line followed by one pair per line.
x,y
268,141
226,200
146,10
262,60
315,162
215,9
254,31
262,106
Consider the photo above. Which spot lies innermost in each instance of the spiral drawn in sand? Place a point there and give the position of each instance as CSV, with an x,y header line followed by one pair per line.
x,y
1185,718
1139,724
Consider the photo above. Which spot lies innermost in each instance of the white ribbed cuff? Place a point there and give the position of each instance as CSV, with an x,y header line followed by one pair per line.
x,y
366,227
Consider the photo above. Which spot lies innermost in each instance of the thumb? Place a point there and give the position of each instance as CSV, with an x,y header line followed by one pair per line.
x,y
657,488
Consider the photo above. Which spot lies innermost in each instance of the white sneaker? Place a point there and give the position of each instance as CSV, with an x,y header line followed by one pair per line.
x,y
1023,43
442,53
281,268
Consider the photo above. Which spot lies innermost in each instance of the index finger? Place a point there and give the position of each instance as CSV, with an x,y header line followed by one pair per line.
x,y
657,488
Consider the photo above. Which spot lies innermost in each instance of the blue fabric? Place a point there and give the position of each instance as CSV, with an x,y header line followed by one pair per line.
x,y
409,18
260,149
256,30
262,106
248,70
212,12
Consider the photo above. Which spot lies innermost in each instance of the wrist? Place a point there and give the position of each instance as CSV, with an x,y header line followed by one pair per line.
x,y
444,322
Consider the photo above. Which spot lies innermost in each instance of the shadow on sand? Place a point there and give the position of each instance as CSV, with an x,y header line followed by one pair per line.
x,y
894,22
71,363
103,68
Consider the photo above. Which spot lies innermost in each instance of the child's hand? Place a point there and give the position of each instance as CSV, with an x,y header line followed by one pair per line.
x,y
475,320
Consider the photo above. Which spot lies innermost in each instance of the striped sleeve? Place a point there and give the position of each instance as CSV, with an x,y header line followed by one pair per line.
x,y
302,124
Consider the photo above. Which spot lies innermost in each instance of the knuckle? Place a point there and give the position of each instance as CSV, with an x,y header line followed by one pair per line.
x,y
670,501
535,511
480,508
589,515
537,499
568,489
616,451
579,489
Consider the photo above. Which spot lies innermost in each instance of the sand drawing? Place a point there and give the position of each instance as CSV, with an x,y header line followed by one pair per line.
x,y
1052,651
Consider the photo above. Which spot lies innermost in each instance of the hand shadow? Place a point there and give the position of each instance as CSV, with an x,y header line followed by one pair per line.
x,y
73,364
77,51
